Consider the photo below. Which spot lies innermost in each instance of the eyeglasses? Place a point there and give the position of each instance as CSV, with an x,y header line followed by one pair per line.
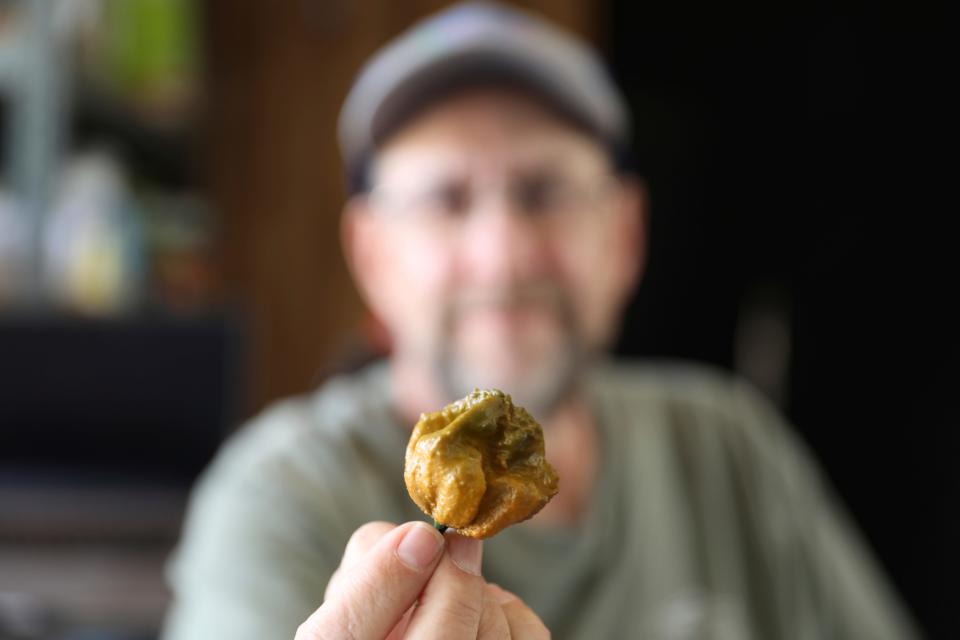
x,y
543,200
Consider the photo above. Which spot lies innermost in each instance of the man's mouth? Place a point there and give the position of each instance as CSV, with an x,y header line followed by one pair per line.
x,y
505,317
531,303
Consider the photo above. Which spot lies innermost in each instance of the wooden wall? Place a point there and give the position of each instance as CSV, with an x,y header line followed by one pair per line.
x,y
277,73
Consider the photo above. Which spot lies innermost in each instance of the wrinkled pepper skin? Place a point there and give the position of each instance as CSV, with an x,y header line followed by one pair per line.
x,y
478,465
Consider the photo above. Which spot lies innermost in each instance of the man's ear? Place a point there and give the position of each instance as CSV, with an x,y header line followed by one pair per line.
x,y
360,240
633,210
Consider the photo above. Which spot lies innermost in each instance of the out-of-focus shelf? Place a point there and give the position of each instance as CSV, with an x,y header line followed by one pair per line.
x,y
161,152
104,424
71,513
107,591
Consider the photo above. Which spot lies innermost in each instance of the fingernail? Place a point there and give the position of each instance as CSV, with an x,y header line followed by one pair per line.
x,y
420,546
466,553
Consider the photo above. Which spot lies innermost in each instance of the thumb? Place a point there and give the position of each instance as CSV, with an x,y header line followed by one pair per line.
x,y
451,605
374,594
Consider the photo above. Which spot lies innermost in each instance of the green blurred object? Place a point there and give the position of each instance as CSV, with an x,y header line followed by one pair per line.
x,y
149,47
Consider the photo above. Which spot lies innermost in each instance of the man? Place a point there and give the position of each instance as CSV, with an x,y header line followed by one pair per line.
x,y
494,231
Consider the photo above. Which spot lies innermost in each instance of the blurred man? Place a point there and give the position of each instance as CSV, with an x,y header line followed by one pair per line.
x,y
494,230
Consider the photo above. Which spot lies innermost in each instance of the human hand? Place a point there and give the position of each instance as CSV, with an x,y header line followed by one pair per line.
x,y
411,582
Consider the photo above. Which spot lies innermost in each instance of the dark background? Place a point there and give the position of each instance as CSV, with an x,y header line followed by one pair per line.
x,y
805,153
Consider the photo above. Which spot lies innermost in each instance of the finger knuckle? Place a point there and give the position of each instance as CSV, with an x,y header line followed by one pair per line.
x,y
343,626
496,634
332,584
309,630
533,621
538,630
464,608
524,623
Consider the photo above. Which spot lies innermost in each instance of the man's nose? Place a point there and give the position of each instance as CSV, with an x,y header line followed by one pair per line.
x,y
501,244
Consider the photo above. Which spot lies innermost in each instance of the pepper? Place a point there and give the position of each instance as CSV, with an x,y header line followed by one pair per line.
x,y
478,465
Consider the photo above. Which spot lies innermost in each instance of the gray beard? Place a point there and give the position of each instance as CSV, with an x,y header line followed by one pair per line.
x,y
541,390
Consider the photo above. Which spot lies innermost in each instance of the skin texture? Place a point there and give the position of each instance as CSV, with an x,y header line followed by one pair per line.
x,y
478,465
381,590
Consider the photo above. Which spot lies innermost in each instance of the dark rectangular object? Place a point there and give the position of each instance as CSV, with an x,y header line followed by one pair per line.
x,y
140,400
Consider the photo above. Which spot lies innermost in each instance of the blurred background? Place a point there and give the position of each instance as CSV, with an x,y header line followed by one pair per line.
x,y
169,258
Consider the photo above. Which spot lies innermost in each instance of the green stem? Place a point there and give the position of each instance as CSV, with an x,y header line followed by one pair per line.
x,y
439,527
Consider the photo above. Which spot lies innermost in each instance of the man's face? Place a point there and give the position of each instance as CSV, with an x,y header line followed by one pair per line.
x,y
496,245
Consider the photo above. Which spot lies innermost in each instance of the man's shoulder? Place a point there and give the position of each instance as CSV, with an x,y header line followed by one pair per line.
x,y
693,398
295,436
687,383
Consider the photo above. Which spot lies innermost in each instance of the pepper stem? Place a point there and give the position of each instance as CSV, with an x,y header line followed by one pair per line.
x,y
439,527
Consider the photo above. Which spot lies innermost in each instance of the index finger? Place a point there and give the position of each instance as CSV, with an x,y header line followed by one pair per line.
x,y
360,543
451,605
373,595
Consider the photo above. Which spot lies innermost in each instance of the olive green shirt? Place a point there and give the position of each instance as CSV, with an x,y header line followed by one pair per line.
x,y
709,520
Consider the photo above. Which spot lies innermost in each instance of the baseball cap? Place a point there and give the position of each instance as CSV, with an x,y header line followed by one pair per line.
x,y
469,44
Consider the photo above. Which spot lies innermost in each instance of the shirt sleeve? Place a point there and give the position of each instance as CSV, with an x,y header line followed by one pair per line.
x,y
829,583
258,547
